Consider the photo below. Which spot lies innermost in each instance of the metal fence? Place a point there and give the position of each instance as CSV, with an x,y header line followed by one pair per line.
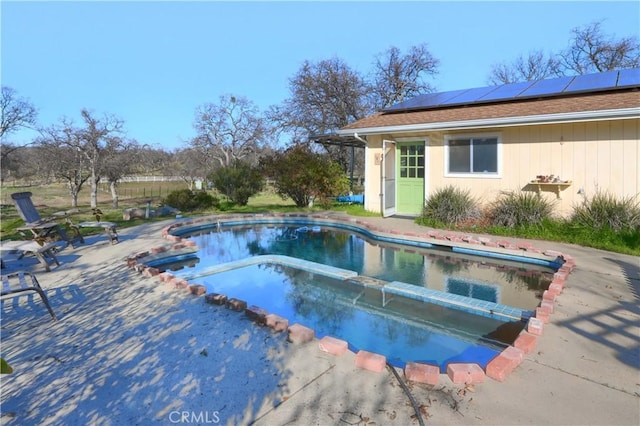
x,y
151,178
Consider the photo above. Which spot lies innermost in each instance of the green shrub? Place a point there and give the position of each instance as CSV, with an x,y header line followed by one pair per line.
x,y
204,200
604,210
305,176
188,200
238,182
520,208
451,205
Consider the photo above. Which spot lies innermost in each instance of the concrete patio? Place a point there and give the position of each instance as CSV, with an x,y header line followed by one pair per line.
x,y
129,350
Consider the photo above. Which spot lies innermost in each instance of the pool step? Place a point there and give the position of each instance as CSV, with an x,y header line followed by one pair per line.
x,y
387,289
454,301
449,300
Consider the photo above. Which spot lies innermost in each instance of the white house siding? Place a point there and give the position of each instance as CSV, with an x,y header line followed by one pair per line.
x,y
601,155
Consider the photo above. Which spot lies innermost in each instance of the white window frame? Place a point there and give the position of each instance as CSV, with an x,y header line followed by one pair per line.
x,y
491,175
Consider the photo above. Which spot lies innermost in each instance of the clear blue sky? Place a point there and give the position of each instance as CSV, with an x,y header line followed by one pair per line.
x,y
153,63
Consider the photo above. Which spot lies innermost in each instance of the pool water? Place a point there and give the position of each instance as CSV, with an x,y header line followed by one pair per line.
x,y
402,329
510,283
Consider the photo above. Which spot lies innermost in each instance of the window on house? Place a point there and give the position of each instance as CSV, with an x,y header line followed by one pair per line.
x,y
472,155
412,161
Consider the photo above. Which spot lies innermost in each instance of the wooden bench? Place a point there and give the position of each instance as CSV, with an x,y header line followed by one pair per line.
x,y
109,229
19,282
45,253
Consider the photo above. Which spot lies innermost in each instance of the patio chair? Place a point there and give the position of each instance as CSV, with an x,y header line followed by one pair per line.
x,y
44,253
19,282
42,230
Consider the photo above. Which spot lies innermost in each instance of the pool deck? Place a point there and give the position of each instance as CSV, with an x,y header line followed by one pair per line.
x,y
130,350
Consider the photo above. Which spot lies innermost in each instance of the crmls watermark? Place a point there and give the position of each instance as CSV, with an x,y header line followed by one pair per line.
x,y
198,417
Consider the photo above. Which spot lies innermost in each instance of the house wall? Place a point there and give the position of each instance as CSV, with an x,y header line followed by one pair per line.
x,y
602,155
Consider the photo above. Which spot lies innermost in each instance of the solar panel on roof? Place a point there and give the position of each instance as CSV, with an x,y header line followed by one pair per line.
x,y
525,89
588,82
629,77
426,101
444,97
471,95
418,101
506,91
546,87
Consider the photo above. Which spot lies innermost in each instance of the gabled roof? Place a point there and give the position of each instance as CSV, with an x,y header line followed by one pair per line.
x,y
561,106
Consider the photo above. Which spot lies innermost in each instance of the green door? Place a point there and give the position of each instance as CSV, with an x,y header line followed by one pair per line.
x,y
410,184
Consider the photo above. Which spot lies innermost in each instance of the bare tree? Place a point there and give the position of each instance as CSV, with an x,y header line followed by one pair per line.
x,y
535,66
119,161
190,165
591,51
324,97
9,164
22,163
229,131
152,160
397,77
17,112
69,165
95,141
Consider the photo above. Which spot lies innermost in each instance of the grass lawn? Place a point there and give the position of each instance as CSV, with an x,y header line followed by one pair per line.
x,y
50,199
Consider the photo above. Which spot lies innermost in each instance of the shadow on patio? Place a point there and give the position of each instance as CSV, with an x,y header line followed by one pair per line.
x,y
127,351
615,327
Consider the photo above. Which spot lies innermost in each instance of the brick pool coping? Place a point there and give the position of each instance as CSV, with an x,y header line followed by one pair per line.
x,y
497,369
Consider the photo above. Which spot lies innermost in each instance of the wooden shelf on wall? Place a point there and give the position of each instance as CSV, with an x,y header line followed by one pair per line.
x,y
554,187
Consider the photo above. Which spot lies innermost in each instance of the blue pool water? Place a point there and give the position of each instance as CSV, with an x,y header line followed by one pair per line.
x,y
511,283
400,328
403,329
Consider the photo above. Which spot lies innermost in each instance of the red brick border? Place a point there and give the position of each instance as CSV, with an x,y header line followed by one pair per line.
x,y
497,369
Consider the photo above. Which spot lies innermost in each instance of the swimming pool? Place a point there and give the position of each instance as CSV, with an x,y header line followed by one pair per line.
x,y
507,282
435,333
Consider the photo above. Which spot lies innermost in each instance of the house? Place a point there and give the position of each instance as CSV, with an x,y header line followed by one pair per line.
x,y
565,138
